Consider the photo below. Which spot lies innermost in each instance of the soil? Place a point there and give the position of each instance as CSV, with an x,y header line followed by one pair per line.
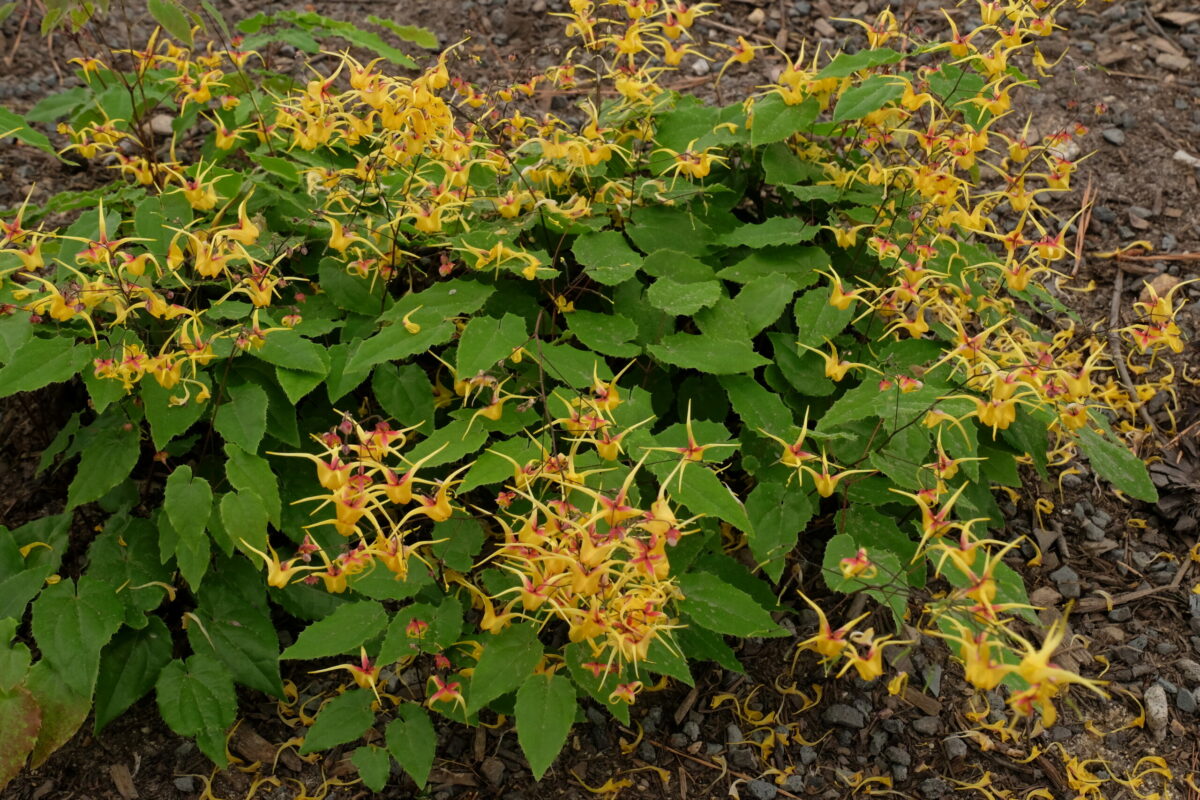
x,y
1143,66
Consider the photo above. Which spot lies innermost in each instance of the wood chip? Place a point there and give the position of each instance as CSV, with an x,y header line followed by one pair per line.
x,y
1109,57
249,744
930,706
1180,18
123,781
824,28
1165,45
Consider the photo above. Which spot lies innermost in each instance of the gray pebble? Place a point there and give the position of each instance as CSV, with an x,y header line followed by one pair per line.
x,y
802,8
1185,701
761,790
1067,581
1157,712
691,730
1165,648
1060,733
1101,517
1141,211
186,784
1166,684
807,755
954,747
845,716
900,773
1189,669
1169,242
1092,531
1114,136
1139,643
1121,614
933,788
733,734
647,753
743,758
927,725
700,67
1107,216
898,755
678,741
794,784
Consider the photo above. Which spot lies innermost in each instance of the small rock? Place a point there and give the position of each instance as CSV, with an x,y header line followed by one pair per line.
x,y
493,770
678,741
1160,285
1107,216
743,758
1173,62
1060,733
185,784
900,773
844,716
761,790
1139,643
1121,614
794,784
1165,648
1157,712
933,679
160,124
700,67
954,747
1141,212
1184,157
927,725
1114,136
647,753
1067,581
807,755
1189,669
1185,701
691,730
1092,531
933,788
1166,684
898,755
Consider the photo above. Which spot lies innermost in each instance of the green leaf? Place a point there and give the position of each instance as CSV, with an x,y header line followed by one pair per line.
x,y
444,624
243,420
759,408
196,698
297,384
701,644
250,473
405,393
459,540
107,460
244,515
129,666
707,354
421,37
545,710
798,262
775,120
870,95
779,514
723,608
14,125
342,719
345,630
818,320
605,333
894,407
486,341
702,491
763,300
887,584
242,636
167,421
14,657
606,257
171,16
374,765
395,343
1118,465
844,65
40,362
290,350
508,659
661,227
677,266
457,440
71,628
772,232
412,741
126,554
188,505
682,299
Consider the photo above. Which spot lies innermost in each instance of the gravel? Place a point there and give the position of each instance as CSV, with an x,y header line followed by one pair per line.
x,y
955,747
761,790
1067,581
1185,701
927,725
844,716
933,788
1157,712
1189,669
1114,136
898,755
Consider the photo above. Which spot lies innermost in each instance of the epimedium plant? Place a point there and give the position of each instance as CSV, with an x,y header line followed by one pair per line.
x,y
540,407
